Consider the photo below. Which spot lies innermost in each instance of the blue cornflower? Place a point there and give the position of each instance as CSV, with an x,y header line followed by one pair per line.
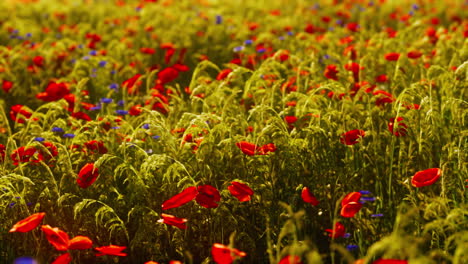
x,y
113,72
121,103
11,204
281,38
28,35
364,192
352,247
145,126
248,42
121,112
261,50
97,107
238,48
25,260
102,63
367,199
68,135
106,100
116,127
376,215
114,86
39,139
92,53
85,58
156,137
219,19
415,7
290,33
57,129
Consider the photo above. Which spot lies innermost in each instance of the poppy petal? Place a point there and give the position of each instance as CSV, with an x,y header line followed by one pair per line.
x,y
187,195
28,224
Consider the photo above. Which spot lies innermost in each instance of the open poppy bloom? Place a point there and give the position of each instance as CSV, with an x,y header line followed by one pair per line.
x,y
308,197
350,204
6,86
58,238
252,149
19,113
28,224
241,191
2,152
225,255
208,196
132,84
87,175
290,260
94,146
397,127
331,72
338,231
392,56
111,250
426,177
352,137
187,195
54,92
26,154
174,221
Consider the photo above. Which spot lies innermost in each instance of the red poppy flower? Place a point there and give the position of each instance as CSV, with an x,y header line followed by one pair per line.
x,y
290,260
58,238
354,68
63,259
80,242
267,148
81,116
7,86
180,67
38,61
151,262
338,231
397,128
50,152
352,137
426,177
390,261
331,72
223,74
2,152
135,110
241,191
19,113
290,119
414,54
308,197
167,75
392,56
94,146
54,92
381,78
87,175
225,255
174,221
208,196
187,195
350,204
26,154
247,147
111,250
149,51
28,224
132,84
383,97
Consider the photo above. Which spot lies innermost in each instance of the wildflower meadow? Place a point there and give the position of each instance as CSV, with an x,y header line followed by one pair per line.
x,y
242,131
